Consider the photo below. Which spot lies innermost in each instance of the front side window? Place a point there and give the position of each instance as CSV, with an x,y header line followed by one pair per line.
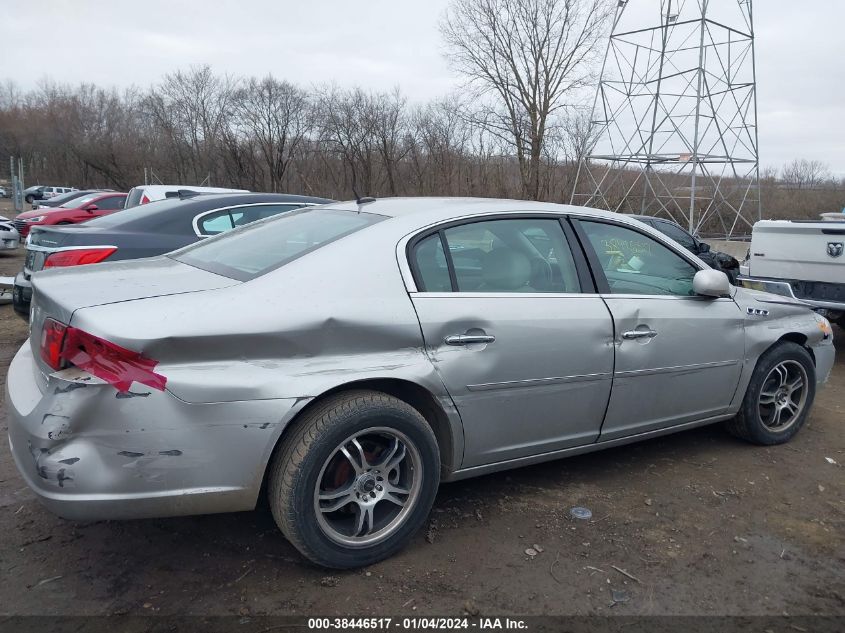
x,y
111,203
507,255
637,264
251,251
678,234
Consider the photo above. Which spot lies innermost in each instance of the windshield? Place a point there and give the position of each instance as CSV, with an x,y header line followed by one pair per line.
x,y
65,197
77,203
258,248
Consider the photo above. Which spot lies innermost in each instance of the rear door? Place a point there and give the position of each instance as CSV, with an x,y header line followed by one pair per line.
x,y
678,355
516,332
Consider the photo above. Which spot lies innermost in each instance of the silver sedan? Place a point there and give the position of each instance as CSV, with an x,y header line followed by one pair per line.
x,y
347,358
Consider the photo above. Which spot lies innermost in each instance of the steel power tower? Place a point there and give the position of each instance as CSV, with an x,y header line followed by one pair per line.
x,y
674,123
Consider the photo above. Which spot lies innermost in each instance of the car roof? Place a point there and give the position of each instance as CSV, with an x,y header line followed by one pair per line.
x,y
150,215
423,210
166,188
654,218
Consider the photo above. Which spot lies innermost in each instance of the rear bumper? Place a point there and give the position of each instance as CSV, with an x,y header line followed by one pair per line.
x,y
90,453
784,289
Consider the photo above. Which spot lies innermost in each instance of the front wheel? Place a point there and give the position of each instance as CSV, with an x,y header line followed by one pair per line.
x,y
29,199
355,480
779,396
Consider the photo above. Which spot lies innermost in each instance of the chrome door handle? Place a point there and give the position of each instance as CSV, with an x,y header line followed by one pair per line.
x,y
635,334
466,339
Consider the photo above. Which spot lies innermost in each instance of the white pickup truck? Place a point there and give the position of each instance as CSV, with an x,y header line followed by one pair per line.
x,y
802,260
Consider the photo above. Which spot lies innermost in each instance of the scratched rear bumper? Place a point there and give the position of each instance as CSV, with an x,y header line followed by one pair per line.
x,y
90,453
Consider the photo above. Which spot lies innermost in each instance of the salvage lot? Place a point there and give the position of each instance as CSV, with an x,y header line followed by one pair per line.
x,y
694,523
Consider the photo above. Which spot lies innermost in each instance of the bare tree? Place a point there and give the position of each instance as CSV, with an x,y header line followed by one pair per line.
x,y
802,173
276,115
529,54
191,109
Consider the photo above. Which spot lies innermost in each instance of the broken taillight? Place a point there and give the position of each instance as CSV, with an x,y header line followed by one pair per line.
x,y
118,366
52,338
78,256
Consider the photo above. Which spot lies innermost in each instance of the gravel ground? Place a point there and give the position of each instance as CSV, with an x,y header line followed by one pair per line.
x,y
693,523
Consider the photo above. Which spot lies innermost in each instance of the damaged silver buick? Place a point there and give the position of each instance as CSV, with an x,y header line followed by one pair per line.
x,y
345,359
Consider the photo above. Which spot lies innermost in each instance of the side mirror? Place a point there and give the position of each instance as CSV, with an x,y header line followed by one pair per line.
x,y
703,247
711,283
91,207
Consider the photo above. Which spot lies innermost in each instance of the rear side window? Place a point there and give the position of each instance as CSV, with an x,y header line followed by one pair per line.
x,y
258,248
431,265
506,255
227,219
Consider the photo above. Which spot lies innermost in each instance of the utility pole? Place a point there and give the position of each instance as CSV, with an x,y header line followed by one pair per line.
x,y
675,117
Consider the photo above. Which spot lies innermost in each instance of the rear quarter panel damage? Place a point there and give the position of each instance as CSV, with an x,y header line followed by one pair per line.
x,y
82,440
328,319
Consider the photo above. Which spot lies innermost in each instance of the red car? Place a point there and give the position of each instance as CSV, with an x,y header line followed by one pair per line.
x,y
77,210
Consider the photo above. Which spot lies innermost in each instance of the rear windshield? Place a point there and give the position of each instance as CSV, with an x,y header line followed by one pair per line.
x,y
136,213
257,248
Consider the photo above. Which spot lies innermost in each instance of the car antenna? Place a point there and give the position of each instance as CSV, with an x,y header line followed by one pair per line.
x,y
359,200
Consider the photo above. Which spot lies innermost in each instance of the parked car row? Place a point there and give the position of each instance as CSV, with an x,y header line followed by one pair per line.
x,y
10,239
43,192
142,231
344,358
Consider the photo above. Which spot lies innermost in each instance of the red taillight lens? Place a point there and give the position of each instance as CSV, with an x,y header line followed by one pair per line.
x,y
77,257
116,365
144,199
52,338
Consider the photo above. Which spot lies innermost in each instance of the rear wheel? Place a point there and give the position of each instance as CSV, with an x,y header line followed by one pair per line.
x,y
355,480
29,199
779,396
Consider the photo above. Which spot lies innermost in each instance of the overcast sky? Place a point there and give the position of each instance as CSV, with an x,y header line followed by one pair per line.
x,y
380,44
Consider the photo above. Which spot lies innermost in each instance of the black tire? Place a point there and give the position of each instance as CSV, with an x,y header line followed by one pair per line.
x,y
748,423
301,459
29,199
63,222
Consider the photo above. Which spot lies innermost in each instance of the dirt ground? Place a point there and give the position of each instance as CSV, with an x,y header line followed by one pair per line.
x,y
694,523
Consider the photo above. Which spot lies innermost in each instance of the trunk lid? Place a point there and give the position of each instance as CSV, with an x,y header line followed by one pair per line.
x,y
805,251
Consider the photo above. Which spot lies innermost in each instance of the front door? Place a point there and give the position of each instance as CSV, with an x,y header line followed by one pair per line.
x,y
525,354
678,355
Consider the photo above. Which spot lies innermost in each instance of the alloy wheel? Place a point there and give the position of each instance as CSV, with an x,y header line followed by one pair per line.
x,y
783,396
368,486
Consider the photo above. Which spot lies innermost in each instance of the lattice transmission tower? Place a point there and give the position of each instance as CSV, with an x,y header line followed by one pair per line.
x,y
674,124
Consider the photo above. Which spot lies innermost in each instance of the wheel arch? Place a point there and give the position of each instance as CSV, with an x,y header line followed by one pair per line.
x,y
796,337
413,394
